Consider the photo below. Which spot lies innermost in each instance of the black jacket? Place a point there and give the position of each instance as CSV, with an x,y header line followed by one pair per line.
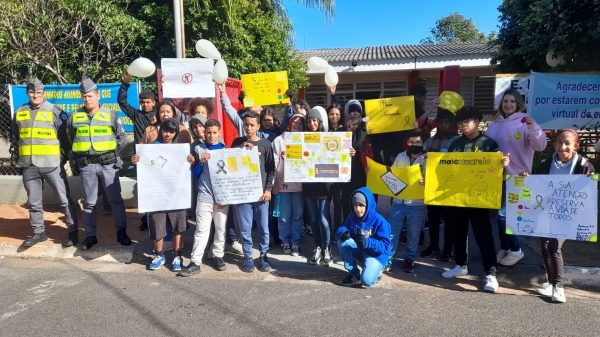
x,y
140,119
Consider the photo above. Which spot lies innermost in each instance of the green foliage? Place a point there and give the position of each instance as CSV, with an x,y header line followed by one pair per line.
x,y
530,28
455,28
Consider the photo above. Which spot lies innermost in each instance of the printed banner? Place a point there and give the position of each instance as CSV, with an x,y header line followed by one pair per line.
x,y
68,98
398,182
464,179
187,78
519,82
390,114
317,156
552,206
235,176
565,101
265,88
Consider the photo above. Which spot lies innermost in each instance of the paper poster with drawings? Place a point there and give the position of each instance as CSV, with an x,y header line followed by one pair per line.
x,y
186,78
317,156
235,176
553,206
464,179
164,180
399,182
265,88
390,114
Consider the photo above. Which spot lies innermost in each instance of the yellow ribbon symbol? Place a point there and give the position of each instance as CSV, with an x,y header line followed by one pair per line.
x,y
538,200
407,120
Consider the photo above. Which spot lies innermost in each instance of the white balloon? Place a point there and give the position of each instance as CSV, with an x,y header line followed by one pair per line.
x,y
554,61
317,63
206,49
220,72
323,116
331,77
141,67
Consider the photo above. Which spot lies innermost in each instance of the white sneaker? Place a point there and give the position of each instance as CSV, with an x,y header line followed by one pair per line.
x,y
558,295
500,255
235,247
545,290
511,258
295,250
456,271
491,284
209,254
317,256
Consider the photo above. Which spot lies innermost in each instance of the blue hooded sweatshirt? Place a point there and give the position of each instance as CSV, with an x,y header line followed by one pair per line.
x,y
374,226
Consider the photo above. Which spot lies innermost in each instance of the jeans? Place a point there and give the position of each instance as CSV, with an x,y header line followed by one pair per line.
x,y
479,218
553,261
206,213
246,213
351,254
507,241
335,197
411,217
318,221
291,207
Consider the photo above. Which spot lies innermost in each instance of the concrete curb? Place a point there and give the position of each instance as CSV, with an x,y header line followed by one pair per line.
x,y
588,276
121,254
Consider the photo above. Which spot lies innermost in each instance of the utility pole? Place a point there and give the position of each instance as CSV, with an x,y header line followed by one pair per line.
x,y
179,28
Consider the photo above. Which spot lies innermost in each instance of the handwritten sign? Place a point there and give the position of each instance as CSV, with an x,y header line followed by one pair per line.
x,y
466,179
265,88
390,114
398,182
317,156
557,206
235,176
185,78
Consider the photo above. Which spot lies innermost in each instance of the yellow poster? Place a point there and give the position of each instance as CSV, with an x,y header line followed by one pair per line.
x,y
390,114
396,182
464,179
265,88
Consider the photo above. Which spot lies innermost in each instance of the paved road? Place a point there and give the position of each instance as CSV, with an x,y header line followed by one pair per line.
x,y
82,298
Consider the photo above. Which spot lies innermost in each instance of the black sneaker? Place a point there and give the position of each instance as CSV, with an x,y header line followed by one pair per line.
x,y
122,237
37,237
430,252
219,264
190,270
71,240
89,242
350,281
447,257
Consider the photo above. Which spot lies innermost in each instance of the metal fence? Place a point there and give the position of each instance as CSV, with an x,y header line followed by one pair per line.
x,y
8,153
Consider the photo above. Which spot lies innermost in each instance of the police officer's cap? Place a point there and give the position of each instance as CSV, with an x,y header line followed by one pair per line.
x,y
87,86
35,85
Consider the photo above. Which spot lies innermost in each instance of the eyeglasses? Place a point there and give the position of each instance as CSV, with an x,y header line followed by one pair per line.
x,y
35,93
465,122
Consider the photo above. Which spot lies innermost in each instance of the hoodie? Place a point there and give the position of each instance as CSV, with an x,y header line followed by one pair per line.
x,y
515,137
278,146
152,131
372,225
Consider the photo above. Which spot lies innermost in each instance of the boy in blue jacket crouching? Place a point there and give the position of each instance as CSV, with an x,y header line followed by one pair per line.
x,y
364,238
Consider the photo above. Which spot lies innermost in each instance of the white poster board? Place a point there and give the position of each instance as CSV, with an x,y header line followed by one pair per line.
x,y
235,176
553,206
186,78
317,156
520,82
164,180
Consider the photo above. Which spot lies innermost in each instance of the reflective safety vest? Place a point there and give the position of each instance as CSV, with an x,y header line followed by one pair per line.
x,y
95,136
38,143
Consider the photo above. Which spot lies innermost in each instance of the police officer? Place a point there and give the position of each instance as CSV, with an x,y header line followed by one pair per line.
x,y
40,129
98,137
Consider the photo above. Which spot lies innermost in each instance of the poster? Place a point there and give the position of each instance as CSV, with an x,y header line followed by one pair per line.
x,y
390,114
398,182
164,180
187,78
317,156
68,98
519,82
265,88
235,176
552,206
464,179
565,101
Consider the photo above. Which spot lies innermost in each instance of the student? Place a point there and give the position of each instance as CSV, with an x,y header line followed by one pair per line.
x,y
196,124
269,124
409,214
358,177
565,160
200,106
364,237
472,140
207,210
516,133
166,110
298,106
237,119
141,118
336,119
336,123
291,204
446,133
315,195
169,130
256,211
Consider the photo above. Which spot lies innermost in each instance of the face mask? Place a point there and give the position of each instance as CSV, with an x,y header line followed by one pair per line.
x,y
414,149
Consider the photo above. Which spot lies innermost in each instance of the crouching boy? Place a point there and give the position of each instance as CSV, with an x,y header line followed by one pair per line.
x,y
364,238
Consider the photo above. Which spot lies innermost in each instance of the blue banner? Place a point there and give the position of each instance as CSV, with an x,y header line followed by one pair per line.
x,y
68,97
559,101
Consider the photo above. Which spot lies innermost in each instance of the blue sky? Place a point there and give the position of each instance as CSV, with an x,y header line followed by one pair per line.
x,y
361,23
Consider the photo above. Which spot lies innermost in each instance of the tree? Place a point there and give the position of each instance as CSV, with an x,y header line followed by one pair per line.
x,y
455,28
530,28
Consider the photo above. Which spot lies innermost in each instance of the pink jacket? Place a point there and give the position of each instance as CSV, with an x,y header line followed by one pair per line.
x,y
280,186
515,137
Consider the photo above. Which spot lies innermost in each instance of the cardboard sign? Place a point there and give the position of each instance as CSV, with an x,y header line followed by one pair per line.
x,y
398,182
265,88
390,114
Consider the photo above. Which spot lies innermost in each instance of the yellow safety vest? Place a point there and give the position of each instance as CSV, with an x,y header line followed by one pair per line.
x,y
38,142
95,136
